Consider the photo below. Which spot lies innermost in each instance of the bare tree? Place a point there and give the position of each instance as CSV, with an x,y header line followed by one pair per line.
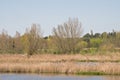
x,y
4,41
68,35
32,39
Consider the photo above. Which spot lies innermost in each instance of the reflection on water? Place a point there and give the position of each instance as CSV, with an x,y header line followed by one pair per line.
x,y
54,77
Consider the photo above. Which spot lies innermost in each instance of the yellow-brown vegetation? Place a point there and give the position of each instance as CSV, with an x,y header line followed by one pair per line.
x,y
68,64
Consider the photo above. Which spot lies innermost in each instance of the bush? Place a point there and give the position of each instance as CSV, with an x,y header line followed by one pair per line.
x,y
89,50
95,42
107,47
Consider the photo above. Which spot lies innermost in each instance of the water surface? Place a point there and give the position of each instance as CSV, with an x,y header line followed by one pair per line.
x,y
54,77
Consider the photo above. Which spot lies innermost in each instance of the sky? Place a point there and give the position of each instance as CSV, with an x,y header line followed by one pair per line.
x,y
97,15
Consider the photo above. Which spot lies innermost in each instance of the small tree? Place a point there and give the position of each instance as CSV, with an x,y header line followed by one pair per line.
x,y
5,42
17,43
32,39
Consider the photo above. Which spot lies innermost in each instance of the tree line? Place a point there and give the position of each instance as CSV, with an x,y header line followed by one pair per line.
x,y
66,38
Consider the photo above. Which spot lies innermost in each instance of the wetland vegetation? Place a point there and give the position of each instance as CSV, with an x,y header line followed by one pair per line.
x,y
66,51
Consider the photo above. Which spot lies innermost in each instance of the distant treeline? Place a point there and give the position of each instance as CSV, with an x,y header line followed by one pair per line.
x,y
66,39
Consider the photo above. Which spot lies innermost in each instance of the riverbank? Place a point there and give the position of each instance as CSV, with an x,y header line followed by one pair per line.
x,y
64,64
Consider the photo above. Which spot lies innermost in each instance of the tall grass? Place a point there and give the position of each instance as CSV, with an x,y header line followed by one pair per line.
x,y
58,64
59,58
67,68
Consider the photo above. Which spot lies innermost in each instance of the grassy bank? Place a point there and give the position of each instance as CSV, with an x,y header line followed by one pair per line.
x,y
67,64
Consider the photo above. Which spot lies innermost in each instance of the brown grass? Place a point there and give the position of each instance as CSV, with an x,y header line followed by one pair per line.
x,y
49,63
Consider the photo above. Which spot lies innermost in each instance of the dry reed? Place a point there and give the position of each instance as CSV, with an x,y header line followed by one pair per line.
x,y
59,64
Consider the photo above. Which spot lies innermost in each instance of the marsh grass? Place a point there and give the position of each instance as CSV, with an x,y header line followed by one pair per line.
x,y
66,64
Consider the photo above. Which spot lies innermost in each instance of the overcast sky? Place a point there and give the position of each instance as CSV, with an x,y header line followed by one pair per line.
x,y
96,15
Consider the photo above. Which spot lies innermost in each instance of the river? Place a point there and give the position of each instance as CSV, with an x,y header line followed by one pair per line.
x,y
54,77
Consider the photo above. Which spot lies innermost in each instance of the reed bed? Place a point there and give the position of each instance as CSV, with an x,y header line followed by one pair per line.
x,y
66,68
67,64
113,57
